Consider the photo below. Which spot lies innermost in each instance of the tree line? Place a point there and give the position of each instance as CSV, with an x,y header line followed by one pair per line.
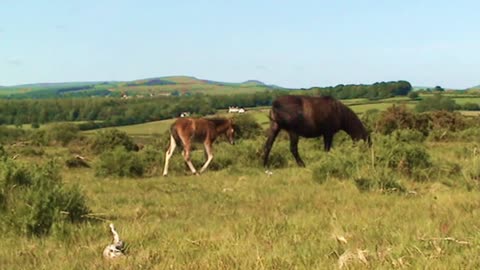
x,y
111,111
377,90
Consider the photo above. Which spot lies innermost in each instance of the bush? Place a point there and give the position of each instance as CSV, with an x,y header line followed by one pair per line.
x,y
437,102
8,135
408,136
14,174
62,133
446,120
119,162
246,127
404,157
395,117
413,95
37,207
110,139
470,106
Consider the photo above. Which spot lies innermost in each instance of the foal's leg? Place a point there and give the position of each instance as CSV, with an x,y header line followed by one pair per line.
x,y
169,154
208,151
186,157
274,130
294,148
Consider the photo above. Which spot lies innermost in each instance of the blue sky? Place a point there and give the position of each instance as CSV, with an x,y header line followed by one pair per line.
x,y
289,43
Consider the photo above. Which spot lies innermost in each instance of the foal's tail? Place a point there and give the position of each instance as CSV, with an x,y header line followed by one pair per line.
x,y
175,136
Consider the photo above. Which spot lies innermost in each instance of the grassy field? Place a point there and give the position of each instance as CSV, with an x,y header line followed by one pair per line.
x,y
241,218
238,217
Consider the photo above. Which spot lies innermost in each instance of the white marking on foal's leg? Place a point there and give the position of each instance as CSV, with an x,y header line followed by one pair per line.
x,y
186,157
169,154
209,158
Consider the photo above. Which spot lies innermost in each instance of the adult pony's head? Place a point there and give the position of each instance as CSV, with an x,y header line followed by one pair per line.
x,y
351,124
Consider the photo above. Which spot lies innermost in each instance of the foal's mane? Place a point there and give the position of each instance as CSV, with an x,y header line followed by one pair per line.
x,y
218,121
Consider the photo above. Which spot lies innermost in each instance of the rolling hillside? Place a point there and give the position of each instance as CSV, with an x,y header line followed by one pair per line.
x,y
171,85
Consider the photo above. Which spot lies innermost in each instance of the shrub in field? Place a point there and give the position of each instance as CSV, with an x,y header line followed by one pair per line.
x,y
152,158
342,162
401,156
408,135
36,207
400,117
14,174
471,134
246,127
395,117
435,103
439,135
32,151
3,153
110,139
8,135
370,119
119,162
451,121
365,184
62,133
38,137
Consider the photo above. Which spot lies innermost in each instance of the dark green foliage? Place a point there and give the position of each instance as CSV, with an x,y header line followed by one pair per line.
x,y
14,174
435,103
73,203
246,127
43,201
413,95
110,139
408,135
403,157
374,91
365,184
389,184
370,119
119,162
62,133
8,135
470,106
31,151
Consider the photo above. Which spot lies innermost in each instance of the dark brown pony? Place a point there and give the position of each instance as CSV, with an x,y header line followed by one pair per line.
x,y
311,117
184,131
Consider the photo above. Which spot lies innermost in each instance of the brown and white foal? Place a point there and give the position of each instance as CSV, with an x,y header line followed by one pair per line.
x,y
185,131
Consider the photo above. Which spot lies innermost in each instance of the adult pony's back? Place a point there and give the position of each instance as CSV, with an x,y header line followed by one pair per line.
x,y
310,117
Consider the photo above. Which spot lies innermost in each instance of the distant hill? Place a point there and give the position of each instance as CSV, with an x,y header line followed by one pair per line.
x,y
176,85
56,85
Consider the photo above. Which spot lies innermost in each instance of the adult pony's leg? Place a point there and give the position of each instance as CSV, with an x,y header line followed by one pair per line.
x,y
294,148
168,154
274,130
208,151
327,141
